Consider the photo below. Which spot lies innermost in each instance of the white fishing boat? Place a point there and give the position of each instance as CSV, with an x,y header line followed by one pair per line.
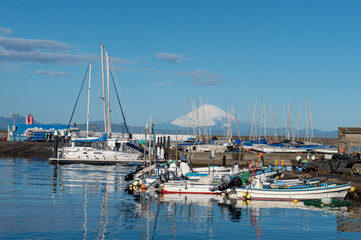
x,y
287,183
173,171
255,191
208,185
215,171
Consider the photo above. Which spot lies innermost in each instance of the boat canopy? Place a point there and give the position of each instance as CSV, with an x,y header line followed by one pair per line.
x,y
101,139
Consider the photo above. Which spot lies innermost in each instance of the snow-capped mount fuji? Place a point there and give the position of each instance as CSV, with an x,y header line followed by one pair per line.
x,y
207,116
204,116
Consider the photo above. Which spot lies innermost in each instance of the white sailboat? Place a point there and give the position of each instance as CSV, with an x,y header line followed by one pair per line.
x,y
102,148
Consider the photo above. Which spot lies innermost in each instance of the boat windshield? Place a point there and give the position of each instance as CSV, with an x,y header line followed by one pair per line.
x,y
97,145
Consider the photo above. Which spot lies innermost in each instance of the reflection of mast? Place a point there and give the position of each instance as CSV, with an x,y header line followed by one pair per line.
x,y
104,219
85,212
148,221
145,206
175,221
55,179
156,220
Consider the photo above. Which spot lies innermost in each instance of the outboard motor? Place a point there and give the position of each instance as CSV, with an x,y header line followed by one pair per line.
x,y
130,176
139,168
170,175
223,183
163,177
235,182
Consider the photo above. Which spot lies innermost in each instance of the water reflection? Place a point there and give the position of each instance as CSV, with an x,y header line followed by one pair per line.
x,y
39,200
104,180
257,216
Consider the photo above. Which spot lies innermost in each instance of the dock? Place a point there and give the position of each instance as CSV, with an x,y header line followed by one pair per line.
x,y
91,161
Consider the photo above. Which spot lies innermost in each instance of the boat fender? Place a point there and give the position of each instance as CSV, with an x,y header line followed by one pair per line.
x,y
246,195
295,201
143,186
352,189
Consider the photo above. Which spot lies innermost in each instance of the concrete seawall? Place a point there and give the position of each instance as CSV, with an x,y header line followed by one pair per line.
x,y
26,149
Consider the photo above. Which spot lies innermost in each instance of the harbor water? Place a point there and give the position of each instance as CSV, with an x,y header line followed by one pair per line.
x,y
43,201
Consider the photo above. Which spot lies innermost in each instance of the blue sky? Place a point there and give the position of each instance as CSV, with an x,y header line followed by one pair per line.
x,y
163,52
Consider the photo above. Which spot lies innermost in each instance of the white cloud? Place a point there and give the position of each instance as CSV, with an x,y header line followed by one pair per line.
x,y
139,70
121,61
46,51
163,84
21,44
171,57
201,77
52,73
14,68
36,56
5,31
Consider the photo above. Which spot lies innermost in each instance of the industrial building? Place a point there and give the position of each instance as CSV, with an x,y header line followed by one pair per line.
x,y
30,132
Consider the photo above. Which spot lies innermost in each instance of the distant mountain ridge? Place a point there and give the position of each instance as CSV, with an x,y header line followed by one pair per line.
x,y
215,121
204,116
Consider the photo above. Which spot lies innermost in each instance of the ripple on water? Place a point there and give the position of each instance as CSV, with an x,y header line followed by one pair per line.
x,y
38,200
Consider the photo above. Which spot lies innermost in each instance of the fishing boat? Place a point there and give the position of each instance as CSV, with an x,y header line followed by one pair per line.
x,y
255,191
210,184
215,171
289,183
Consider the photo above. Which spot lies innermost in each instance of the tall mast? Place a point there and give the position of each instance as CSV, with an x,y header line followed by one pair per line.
x,y
108,83
87,116
104,103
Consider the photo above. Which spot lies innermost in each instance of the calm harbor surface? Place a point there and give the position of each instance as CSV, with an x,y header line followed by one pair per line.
x,y
39,200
